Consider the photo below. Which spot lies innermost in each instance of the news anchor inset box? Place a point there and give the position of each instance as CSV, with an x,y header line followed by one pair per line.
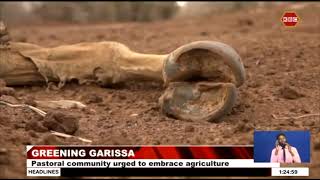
x,y
282,146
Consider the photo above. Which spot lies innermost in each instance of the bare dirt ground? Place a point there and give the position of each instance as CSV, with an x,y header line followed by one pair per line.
x,y
283,78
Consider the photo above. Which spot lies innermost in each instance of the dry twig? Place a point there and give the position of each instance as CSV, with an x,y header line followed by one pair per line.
x,y
294,117
69,136
39,111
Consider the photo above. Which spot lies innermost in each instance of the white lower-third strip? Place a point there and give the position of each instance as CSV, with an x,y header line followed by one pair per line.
x,y
43,172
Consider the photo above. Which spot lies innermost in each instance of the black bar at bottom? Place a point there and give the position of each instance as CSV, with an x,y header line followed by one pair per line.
x,y
76,172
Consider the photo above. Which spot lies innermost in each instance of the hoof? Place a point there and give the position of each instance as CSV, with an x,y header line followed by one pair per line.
x,y
204,60
201,79
198,101
4,35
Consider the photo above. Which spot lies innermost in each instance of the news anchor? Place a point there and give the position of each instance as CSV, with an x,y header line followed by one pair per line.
x,y
283,152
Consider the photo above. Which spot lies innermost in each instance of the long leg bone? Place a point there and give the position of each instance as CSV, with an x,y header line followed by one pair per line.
x,y
64,104
202,73
104,63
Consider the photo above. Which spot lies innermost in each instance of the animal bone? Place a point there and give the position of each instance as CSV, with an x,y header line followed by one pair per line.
x,y
39,111
202,72
70,136
64,104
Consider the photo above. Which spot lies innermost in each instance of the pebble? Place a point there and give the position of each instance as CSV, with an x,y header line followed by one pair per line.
x,y
36,126
4,156
287,92
92,98
189,128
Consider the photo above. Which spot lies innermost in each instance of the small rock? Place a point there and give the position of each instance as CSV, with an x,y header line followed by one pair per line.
x,y
7,91
36,126
3,151
247,105
9,99
204,33
244,127
154,107
52,86
22,39
100,37
122,97
226,136
49,140
239,108
306,111
4,120
19,126
101,104
61,122
37,88
189,128
196,140
26,141
244,30
124,134
308,123
270,72
2,83
111,112
106,126
102,118
290,93
53,37
156,142
316,146
255,84
4,156
147,119
5,39
246,22
119,140
93,98
89,111
294,110
245,120
33,134
30,101
300,54
277,83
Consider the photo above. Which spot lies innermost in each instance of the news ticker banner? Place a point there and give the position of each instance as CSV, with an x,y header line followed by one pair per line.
x,y
75,161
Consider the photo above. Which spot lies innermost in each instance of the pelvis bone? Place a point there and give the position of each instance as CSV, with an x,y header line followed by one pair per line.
x,y
200,78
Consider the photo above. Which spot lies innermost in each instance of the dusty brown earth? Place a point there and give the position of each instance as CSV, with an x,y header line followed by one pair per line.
x,y
283,78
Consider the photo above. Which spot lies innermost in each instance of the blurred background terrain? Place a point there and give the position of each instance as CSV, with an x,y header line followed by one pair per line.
x,y
17,13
